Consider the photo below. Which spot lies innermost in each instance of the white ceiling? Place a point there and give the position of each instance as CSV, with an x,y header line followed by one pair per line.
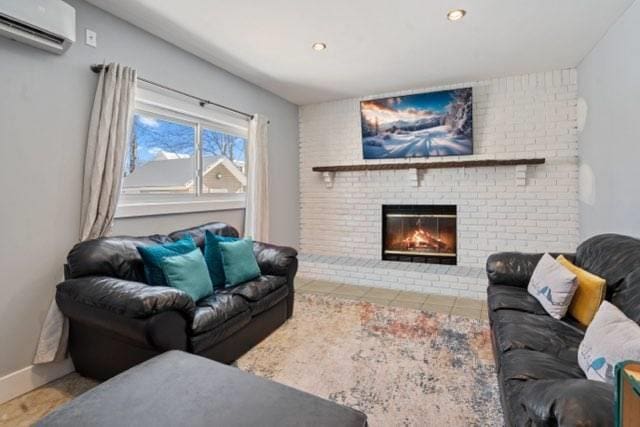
x,y
374,46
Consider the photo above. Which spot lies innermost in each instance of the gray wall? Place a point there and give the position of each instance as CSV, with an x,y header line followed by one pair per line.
x,y
609,81
165,224
44,111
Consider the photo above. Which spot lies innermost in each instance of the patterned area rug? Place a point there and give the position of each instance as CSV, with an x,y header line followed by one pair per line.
x,y
400,366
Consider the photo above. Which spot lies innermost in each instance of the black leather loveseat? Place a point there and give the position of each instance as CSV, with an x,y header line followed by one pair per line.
x,y
118,321
541,383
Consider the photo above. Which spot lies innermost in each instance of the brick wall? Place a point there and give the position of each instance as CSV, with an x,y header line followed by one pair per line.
x,y
531,115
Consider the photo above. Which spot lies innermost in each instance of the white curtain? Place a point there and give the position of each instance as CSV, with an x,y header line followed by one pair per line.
x,y
256,219
103,166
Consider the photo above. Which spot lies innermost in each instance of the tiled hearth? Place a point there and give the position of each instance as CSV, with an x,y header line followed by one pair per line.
x,y
438,279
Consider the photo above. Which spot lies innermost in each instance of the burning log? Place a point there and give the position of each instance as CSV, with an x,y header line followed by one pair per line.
x,y
421,239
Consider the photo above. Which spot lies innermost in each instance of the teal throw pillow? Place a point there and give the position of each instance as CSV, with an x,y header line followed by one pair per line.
x,y
188,273
213,257
152,256
238,261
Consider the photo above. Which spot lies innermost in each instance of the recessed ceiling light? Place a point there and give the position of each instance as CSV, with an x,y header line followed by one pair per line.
x,y
319,46
456,14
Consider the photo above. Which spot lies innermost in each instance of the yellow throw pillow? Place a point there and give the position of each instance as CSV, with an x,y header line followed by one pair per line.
x,y
589,294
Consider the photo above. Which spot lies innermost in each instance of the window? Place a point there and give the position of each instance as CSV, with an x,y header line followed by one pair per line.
x,y
182,158
160,158
223,162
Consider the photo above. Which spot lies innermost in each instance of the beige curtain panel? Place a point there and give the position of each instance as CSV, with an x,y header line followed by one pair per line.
x,y
104,161
109,129
256,219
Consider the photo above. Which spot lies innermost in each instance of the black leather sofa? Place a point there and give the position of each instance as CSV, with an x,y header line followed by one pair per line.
x,y
118,321
541,383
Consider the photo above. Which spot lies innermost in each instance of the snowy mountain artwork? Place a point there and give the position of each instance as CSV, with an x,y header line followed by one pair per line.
x,y
420,125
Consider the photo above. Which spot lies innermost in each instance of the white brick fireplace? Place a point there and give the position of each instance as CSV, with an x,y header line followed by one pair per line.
x,y
499,208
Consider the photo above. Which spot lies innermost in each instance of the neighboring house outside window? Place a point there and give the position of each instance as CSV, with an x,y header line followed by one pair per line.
x,y
182,158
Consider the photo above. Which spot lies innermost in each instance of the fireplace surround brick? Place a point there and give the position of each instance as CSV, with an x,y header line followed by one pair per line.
x,y
531,115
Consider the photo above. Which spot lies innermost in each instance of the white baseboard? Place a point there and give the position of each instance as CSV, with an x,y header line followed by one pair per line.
x,y
32,377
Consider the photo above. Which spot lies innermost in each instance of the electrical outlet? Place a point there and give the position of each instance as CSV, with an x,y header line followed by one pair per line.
x,y
91,38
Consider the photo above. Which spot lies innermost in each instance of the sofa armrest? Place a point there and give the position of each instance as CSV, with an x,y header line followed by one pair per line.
x,y
125,298
276,260
514,268
574,402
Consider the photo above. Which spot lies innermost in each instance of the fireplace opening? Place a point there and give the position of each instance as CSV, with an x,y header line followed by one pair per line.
x,y
419,233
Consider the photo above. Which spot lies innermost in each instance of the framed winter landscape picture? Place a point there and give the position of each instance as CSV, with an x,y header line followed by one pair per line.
x,y
420,125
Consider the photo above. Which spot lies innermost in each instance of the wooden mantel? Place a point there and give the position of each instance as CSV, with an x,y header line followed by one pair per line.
x,y
413,168
429,165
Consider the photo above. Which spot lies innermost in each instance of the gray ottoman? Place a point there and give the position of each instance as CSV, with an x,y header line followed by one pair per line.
x,y
181,389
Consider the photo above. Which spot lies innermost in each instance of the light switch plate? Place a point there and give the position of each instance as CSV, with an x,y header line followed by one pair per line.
x,y
91,38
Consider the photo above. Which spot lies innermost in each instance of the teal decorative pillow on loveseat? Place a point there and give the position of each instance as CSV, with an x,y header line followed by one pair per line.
x,y
188,273
213,257
153,255
239,262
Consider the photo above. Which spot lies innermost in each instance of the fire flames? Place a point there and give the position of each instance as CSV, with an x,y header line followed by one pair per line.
x,y
422,239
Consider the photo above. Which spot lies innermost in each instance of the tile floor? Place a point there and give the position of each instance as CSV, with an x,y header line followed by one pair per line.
x,y
466,307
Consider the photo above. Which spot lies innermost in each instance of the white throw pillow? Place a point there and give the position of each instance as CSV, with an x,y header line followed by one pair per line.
x,y
611,338
553,285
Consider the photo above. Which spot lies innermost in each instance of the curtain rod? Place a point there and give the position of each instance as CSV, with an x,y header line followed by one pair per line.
x,y
96,68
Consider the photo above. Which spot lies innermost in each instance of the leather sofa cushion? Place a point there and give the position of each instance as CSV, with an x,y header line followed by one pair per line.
x,y
519,369
258,288
216,309
111,256
197,233
202,341
610,256
525,365
562,403
515,330
268,301
261,293
504,297
577,402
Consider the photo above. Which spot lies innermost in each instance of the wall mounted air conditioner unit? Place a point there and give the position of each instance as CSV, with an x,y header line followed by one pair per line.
x,y
45,24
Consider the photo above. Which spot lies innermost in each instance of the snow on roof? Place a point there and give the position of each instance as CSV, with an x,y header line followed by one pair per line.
x,y
176,172
167,155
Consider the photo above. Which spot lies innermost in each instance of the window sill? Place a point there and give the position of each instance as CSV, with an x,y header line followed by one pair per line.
x,y
178,207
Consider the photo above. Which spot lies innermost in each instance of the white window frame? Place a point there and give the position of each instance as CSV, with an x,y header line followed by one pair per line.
x,y
153,103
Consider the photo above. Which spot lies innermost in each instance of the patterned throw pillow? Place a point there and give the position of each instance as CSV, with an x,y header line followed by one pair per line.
x,y
611,338
553,285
